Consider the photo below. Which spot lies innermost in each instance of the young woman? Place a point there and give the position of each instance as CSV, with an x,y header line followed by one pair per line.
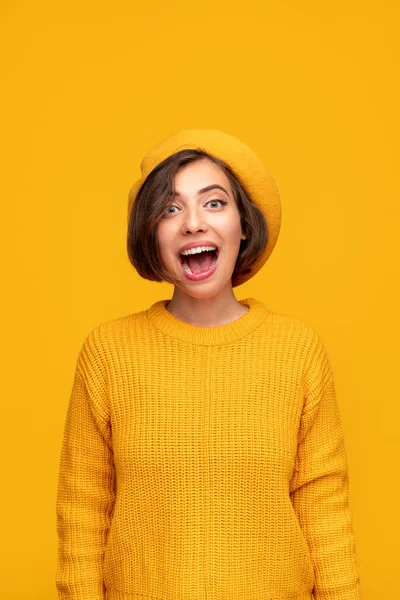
x,y
203,454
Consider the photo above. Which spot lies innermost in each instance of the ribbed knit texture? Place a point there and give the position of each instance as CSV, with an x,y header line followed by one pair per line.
x,y
204,463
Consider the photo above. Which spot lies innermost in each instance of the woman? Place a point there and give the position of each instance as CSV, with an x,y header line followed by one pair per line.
x,y
203,452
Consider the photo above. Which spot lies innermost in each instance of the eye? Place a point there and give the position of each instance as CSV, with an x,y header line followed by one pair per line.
x,y
168,207
218,200
167,212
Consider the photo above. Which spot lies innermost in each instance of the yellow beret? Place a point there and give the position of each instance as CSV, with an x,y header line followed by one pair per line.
x,y
247,167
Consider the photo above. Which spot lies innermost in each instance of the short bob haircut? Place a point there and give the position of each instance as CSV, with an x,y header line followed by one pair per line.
x,y
152,199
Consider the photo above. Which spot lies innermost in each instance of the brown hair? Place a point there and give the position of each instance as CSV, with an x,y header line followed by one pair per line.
x,y
152,199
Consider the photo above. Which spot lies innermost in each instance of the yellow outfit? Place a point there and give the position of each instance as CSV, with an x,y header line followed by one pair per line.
x,y
204,463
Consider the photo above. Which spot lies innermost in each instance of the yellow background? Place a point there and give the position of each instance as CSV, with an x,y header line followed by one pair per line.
x,y
87,89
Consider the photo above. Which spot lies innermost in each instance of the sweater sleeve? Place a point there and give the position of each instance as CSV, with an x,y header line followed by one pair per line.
x,y
86,481
319,487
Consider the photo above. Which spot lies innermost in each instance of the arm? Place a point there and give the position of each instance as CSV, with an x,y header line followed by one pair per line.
x,y
320,485
86,483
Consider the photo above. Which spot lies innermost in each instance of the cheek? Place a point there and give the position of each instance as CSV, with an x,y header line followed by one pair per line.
x,y
166,230
231,228
165,243
162,237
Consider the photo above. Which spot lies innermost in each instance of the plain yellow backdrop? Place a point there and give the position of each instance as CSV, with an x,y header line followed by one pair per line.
x,y
87,89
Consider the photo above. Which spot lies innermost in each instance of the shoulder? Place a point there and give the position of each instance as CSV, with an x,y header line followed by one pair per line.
x,y
305,340
103,344
306,344
296,329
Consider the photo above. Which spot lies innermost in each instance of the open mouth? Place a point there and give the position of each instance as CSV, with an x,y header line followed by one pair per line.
x,y
201,262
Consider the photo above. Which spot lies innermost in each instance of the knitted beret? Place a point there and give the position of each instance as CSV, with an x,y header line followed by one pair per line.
x,y
245,164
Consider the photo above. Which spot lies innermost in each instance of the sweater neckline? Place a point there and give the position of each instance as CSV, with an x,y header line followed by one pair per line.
x,y
170,325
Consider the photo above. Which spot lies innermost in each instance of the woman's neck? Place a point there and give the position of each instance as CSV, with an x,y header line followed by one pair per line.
x,y
206,311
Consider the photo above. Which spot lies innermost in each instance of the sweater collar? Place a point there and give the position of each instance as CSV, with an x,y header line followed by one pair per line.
x,y
170,325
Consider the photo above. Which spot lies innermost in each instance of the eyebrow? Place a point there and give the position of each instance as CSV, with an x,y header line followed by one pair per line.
x,y
206,189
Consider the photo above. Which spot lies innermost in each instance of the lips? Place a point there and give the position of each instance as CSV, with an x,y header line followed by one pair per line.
x,y
216,252
197,244
202,274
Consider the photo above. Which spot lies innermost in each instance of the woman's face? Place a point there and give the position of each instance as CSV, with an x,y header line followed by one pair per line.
x,y
195,216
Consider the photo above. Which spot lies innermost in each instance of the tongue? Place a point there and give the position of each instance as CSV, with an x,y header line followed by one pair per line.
x,y
200,262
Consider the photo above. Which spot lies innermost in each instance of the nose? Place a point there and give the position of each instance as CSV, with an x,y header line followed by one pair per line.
x,y
193,222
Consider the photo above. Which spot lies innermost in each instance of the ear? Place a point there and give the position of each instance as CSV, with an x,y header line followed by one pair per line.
x,y
243,236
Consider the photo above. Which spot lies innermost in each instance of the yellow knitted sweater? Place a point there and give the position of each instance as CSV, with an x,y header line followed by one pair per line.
x,y
204,463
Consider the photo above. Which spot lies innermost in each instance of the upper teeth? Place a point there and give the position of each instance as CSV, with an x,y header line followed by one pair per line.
x,y
198,249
